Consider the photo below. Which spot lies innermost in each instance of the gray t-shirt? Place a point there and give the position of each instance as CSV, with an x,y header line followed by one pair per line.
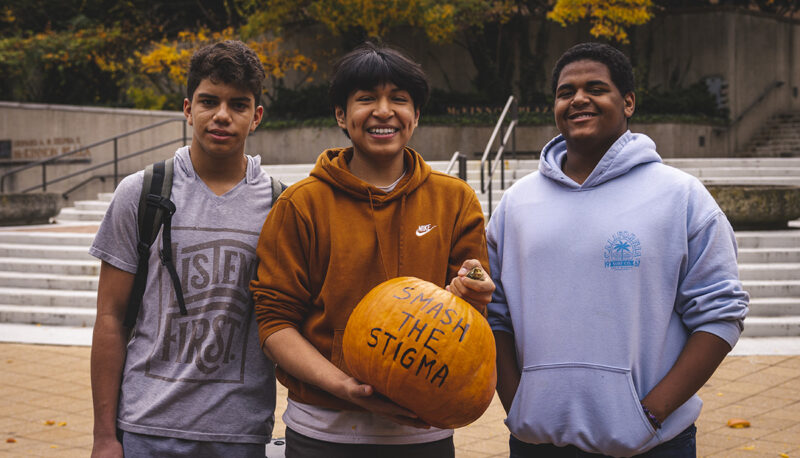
x,y
202,376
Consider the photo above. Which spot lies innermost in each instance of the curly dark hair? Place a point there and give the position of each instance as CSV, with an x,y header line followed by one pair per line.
x,y
230,62
617,63
370,65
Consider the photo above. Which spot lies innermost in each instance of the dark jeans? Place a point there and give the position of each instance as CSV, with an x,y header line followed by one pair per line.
x,y
300,446
681,446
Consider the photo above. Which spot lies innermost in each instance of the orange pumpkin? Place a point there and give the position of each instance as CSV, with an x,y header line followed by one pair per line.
x,y
425,349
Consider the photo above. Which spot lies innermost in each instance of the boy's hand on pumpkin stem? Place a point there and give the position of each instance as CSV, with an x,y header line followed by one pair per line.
x,y
364,395
477,292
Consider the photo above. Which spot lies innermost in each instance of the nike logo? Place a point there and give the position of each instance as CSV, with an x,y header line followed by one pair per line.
x,y
424,229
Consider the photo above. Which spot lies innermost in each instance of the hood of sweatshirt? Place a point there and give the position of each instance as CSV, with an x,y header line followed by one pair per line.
x,y
629,151
332,168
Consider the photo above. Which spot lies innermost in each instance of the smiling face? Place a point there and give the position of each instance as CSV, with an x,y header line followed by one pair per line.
x,y
379,121
222,116
590,112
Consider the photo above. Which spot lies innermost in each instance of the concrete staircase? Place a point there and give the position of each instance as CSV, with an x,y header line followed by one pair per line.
x,y
769,267
48,278
780,137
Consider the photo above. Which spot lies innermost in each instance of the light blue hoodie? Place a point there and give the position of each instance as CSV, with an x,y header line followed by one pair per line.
x,y
601,285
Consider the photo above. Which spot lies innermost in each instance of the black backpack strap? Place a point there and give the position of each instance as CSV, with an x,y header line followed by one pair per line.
x,y
154,208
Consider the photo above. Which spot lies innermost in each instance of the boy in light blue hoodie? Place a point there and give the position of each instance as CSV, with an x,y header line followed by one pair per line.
x,y
617,290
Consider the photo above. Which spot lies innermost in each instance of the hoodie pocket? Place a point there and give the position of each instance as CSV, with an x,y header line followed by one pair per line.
x,y
594,407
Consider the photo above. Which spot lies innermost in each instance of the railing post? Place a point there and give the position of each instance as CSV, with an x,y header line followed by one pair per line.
x,y
462,167
184,133
514,117
490,198
483,186
116,164
44,177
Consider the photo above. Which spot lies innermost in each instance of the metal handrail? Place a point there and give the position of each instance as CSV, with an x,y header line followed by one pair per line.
x,y
115,139
66,193
497,128
486,179
462,165
772,86
452,162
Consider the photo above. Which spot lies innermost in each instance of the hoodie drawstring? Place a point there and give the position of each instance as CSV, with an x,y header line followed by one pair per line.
x,y
402,241
377,235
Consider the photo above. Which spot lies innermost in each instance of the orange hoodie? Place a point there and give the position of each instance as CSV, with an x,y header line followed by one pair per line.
x,y
331,238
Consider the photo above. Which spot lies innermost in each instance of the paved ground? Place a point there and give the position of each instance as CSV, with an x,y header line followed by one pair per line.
x,y
46,410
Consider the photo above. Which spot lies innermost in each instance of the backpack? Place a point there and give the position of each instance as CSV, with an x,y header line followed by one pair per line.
x,y
155,210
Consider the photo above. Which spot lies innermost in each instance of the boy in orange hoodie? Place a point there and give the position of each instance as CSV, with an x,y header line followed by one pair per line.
x,y
366,214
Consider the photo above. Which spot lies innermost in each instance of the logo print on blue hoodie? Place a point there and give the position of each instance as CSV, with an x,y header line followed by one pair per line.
x,y
623,251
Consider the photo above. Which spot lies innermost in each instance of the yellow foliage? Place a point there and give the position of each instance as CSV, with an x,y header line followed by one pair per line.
x,y
170,58
609,18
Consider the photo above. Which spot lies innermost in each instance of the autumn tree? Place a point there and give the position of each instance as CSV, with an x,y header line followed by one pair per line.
x,y
165,65
609,19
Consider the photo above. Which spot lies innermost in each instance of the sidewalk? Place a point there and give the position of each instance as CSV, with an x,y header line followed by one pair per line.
x,y
46,408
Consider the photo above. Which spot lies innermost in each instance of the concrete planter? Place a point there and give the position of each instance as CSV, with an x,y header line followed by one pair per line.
x,y
21,209
758,207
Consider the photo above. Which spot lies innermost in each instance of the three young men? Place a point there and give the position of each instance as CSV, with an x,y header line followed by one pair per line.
x,y
604,242
196,384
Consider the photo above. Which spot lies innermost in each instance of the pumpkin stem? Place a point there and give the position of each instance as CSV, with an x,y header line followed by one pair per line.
x,y
476,273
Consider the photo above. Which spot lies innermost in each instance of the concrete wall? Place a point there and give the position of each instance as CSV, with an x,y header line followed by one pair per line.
x,y
74,127
751,51
302,146
24,124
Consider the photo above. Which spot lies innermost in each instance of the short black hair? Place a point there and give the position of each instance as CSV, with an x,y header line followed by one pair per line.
x,y
617,63
370,65
230,62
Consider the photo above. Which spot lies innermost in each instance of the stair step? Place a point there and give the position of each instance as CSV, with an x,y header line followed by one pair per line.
x,y
50,266
774,271
768,239
712,162
746,172
765,255
768,326
13,250
48,281
92,205
71,214
46,238
765,180
48,297
46,334
773,306
105,196
61,316
772,288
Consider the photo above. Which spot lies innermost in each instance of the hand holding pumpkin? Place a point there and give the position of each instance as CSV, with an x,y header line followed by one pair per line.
x,y
477,292
364,396
425,349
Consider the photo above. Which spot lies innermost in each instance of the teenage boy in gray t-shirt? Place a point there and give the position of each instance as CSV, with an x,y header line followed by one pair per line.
x,y
195,384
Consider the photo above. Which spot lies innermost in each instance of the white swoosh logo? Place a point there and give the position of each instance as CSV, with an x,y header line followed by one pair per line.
x,y
424,230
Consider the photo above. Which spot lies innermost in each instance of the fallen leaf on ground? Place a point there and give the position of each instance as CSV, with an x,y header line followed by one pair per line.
x,y
49,422
738,423
63,423
749,447
11,440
